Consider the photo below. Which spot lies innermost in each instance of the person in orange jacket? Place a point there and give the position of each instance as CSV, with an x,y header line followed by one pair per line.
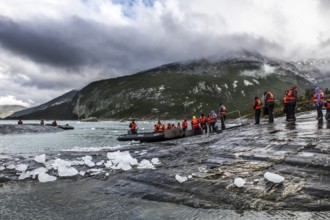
x,y
203,122
292,98
195,124
286,104
269,103
327,107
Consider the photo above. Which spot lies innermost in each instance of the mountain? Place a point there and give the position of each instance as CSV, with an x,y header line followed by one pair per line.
x,y
6,110
184,89
60,108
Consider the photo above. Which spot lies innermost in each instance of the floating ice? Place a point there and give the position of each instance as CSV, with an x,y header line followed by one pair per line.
x,y
44,178
41,158
155,161
239,182
2,168
67,171
272,177
145,164
181,179
21,167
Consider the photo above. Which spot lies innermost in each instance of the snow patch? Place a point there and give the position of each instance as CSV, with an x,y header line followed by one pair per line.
x,y
248,83
235,84
256,81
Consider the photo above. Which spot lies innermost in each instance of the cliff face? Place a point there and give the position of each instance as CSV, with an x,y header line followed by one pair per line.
x,y
177,90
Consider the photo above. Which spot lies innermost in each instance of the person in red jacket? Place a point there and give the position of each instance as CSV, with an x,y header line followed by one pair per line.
x,y
184,125
203,122
133,127
292,98
54,123
257,109
20,122
318,102
269,102
286,104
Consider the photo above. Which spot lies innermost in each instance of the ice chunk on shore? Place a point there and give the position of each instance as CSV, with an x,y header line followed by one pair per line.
x,y
88,161
145,164
181,179
21,167
239,182
44,178
108,164
155,161
61,163
10,167
82,173
272,177
41,158
122,160
2,168
32,173
67,171
100,163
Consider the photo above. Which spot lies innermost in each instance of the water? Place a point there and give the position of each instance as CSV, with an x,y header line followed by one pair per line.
x,y
86,136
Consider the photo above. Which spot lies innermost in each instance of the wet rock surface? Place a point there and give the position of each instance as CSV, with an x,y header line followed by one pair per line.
x,y
298,152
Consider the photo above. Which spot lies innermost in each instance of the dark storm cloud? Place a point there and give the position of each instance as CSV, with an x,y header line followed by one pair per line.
x,y
45,43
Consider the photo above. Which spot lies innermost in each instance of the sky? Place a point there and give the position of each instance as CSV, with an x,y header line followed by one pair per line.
x,y
49,47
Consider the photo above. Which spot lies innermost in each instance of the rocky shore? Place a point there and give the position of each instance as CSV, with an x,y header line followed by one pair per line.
x,y
200,171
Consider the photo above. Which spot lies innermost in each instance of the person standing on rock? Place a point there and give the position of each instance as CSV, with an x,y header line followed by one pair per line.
x,y
318,102
257,109
42,122
203,122
213,119
292,97
286,105
222,114
327,107
269,102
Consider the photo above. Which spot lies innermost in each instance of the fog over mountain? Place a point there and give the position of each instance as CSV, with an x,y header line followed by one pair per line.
x,y
48,48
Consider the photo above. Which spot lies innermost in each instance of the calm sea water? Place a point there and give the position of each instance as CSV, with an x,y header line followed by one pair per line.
x,y
86,136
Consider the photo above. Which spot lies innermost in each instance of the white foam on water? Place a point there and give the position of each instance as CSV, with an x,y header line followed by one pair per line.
x,y
44,178
239,182
272,177
181,179
40,158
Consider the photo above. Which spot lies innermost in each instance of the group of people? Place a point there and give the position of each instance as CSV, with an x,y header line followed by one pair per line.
x,y
42,122
202,123
290,102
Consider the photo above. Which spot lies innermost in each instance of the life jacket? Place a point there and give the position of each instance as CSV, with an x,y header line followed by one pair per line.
x,y
179,126
155,129
173,126
223,110
292,95
271,97
286,99
203,120
195,123
327,104
213,118
321,97
161,128
258,105
132,126
184,124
